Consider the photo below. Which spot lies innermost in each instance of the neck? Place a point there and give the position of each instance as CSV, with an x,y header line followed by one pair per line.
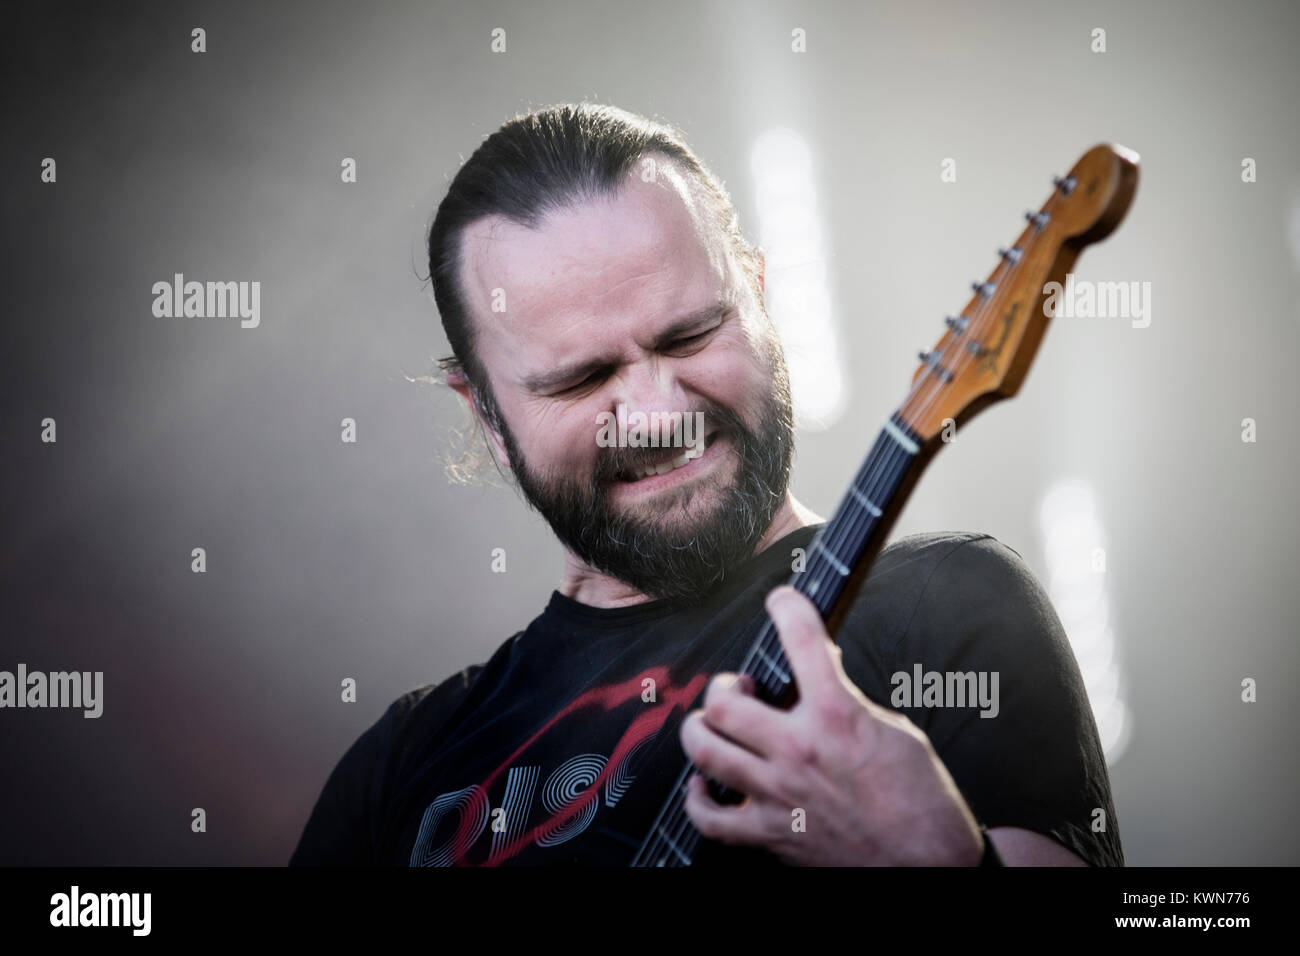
x,y
587,585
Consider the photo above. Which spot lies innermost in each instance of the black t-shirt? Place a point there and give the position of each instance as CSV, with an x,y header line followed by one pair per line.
x,y
562,747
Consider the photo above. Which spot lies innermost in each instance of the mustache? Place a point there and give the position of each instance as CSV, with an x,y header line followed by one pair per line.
x,y
615,461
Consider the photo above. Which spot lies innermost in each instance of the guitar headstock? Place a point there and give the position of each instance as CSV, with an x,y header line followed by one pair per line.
x,y
990,344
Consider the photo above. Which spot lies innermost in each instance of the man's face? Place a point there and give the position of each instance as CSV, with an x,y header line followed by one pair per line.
x,y
622,305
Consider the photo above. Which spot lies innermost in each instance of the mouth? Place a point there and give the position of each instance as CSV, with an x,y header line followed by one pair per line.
x,y
672,461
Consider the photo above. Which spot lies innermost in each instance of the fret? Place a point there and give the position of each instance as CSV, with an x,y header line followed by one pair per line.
x,y
896,433
836,563
864,500
776,668
845,536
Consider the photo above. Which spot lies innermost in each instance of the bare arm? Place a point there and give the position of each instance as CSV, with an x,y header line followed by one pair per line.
x,y
1019,847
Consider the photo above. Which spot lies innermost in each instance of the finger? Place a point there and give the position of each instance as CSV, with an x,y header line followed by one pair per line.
x,y
738,824
807,645
741,683
723,760
731,710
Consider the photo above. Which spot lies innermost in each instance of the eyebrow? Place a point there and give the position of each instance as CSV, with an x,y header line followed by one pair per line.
x,y
577,371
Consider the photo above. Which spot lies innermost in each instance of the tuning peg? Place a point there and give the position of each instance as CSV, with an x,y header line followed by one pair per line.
x,y
957,323
1065,185
932,360
1039,219
985,289
1012,255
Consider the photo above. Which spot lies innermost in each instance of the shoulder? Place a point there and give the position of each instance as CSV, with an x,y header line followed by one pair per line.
x,y
978,585
424,709
346,823
439,693
373,747
926,551
915,571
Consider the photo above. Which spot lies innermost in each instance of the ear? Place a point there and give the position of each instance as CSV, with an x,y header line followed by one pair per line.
x,y
456,379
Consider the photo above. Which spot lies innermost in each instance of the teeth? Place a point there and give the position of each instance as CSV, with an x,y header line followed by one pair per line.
x,y
681,461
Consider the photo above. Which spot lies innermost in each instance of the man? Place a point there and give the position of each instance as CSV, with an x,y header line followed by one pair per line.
x,y
587,266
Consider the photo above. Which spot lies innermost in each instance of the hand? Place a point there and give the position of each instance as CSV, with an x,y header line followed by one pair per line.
x,y
835,780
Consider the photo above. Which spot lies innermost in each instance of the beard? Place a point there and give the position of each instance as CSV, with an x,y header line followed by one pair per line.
x,y
689,547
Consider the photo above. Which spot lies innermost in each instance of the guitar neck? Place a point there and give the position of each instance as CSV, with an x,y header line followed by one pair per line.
x,y
841,554
982,358
834,568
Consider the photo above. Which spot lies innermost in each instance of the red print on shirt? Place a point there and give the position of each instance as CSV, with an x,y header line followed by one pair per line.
x,y
607,697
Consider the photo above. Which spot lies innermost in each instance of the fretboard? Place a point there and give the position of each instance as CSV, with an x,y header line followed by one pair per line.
x,y
843,546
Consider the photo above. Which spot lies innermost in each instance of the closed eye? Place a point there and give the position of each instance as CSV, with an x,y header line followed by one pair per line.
x,y
686,341
589,382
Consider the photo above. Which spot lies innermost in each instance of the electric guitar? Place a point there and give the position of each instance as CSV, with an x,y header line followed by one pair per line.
x,y
982,358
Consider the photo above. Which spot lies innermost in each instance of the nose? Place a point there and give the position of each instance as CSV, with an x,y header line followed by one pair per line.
x,y
649,386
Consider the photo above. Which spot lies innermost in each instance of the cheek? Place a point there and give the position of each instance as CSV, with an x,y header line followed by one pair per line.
x,y
556,437
732,376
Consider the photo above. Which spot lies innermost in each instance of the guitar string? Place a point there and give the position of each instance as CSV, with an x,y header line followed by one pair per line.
x,y
681,828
